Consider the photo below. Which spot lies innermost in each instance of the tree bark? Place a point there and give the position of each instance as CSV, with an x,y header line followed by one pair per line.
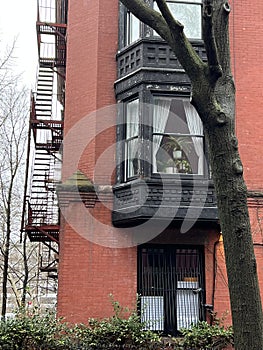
x,y
6,250
213,95
26,272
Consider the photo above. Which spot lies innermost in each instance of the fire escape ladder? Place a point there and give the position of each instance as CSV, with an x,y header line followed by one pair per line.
x,y
43,215
43,105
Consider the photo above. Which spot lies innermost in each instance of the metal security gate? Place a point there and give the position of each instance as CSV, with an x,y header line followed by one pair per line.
x,y
170,286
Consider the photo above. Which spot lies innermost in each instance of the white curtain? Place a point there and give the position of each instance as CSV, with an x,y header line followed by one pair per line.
x,y
196,128
132,129
152,312
160,117
187,303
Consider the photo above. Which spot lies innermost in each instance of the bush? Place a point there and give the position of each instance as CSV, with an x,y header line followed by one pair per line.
x,y
31,331
204,336
124,330
44,332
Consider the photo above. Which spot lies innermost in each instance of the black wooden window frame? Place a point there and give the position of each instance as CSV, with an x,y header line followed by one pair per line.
x,y
170,294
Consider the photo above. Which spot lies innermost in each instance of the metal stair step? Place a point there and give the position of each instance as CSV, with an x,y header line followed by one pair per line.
x,y
43,98
42,92
43,105
45,71
46,77
45,82
44,89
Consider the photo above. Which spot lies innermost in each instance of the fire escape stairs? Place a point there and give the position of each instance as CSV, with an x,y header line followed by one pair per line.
x,y
43,207
41,213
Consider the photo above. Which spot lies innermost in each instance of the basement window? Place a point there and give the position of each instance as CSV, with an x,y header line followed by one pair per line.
x,y
171,287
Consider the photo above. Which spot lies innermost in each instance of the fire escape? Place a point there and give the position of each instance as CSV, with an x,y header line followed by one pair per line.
x,y
41,222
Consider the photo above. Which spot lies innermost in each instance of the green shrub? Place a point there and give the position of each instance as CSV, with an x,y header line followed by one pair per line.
x,y
44,332
31,331
123,330
204,336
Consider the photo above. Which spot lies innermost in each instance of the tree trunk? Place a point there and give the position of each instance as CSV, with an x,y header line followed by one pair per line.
x,y
26,272
6,251
235,225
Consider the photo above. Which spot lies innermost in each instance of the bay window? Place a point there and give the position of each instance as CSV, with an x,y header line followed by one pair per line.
x,y
175,132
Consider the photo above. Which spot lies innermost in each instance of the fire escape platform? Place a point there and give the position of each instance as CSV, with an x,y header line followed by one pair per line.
x,y
53,53
44,26
43,233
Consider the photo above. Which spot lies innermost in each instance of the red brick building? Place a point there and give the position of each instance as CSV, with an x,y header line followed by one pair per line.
x,y
138,207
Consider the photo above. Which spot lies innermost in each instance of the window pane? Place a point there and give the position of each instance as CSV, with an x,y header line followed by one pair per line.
x,y
190,16
131,144
131,158
132,118
133,28
177,145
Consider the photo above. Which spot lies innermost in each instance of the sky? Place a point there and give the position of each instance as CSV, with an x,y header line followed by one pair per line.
x,y
18,19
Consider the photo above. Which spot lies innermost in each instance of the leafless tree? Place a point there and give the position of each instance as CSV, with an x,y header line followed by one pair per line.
x,y
19,261
14,109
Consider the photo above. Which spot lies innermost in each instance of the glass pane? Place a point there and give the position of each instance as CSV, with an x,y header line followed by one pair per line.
x,y
172,149
133,28
174,155
190,16
132,118
131,158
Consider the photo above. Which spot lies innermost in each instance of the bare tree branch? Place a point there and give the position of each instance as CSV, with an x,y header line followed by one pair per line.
x,y
167,15
210,42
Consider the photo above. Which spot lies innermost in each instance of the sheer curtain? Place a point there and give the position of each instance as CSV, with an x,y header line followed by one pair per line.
x,y
160,117
132,129
196,128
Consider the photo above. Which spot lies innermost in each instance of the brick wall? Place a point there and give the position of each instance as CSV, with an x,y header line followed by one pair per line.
x,y
89,272
247,50
246,41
